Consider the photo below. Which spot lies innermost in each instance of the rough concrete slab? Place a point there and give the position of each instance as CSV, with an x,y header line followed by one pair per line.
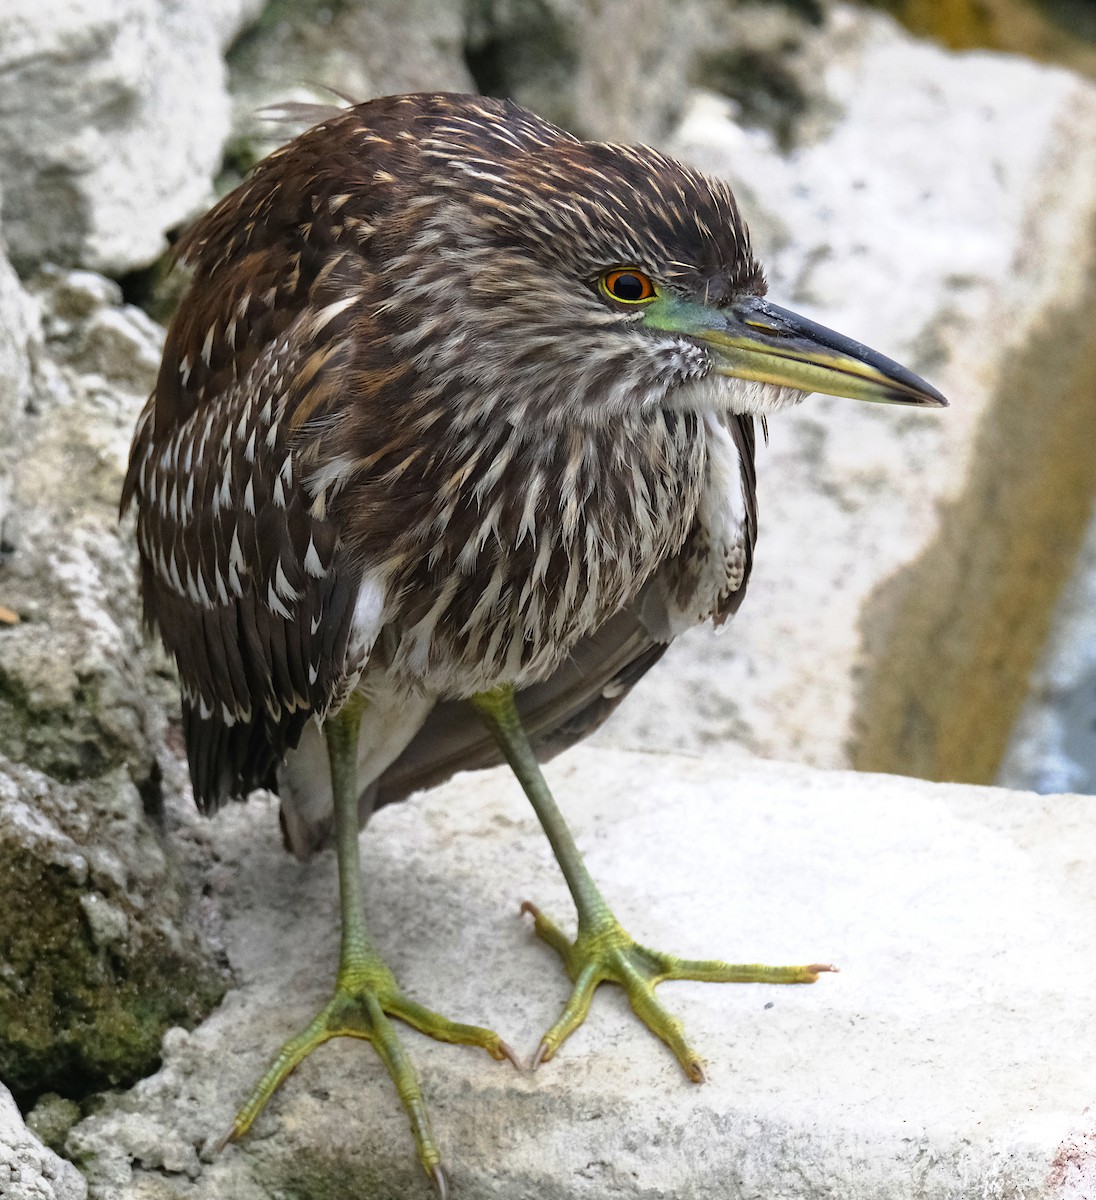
x,y
951,1058
908,562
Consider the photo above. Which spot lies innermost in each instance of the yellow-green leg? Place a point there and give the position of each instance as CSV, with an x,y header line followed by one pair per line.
x,y
366,992
603,950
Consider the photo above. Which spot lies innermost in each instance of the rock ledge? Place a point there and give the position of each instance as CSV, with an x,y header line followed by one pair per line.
x,y
952,1057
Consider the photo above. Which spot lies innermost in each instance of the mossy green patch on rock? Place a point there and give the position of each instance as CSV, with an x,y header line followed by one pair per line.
x,y
63,735
97,956
52,1118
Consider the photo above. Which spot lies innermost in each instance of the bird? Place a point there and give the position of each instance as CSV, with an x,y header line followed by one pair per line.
x,y
453,434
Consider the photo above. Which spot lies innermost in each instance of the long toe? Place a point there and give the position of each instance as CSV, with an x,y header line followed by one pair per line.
x,y
607,953
363,1003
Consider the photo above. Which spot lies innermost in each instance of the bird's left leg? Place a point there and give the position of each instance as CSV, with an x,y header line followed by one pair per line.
x,y
602,949
366,992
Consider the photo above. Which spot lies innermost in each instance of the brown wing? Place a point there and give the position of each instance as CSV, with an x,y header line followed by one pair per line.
x,y
242,570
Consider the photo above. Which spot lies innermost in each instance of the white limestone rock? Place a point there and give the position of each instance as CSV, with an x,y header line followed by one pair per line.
x,y
19,338
99,946
952,1054
907,560
28,1170
112,123
18,327
73,696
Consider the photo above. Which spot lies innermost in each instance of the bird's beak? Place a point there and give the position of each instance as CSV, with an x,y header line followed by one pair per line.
x,y
753,339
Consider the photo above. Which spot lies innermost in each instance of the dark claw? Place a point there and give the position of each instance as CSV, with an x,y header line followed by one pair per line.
x,y
527,906
441,1181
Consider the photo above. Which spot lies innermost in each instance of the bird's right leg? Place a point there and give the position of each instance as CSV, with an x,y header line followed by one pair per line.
x,y
602,950
366,992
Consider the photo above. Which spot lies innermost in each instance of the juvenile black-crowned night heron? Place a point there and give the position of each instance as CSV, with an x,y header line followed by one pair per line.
x,y
452,435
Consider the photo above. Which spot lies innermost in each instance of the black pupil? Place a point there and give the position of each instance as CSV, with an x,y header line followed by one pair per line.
x,y
628,287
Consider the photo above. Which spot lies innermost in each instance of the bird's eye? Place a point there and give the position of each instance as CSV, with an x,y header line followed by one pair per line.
x,y
627,285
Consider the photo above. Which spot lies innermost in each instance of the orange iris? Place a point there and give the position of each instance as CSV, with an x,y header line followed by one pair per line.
x,y
628,285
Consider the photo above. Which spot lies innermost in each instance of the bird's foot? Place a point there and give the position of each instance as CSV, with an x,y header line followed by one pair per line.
x,y
605,952
366,995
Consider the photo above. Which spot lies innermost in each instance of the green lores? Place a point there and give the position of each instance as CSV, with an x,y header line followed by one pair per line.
x,y
755,340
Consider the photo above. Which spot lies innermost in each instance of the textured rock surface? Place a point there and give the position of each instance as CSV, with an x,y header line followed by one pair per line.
x,y
623,69
98,956
112,122
564,59
620,69
361,49
99,950
908,562
950,1058
28,1171
73,701
18,329
1057,31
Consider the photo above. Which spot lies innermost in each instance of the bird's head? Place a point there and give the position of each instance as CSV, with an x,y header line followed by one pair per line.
x,y
571,281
